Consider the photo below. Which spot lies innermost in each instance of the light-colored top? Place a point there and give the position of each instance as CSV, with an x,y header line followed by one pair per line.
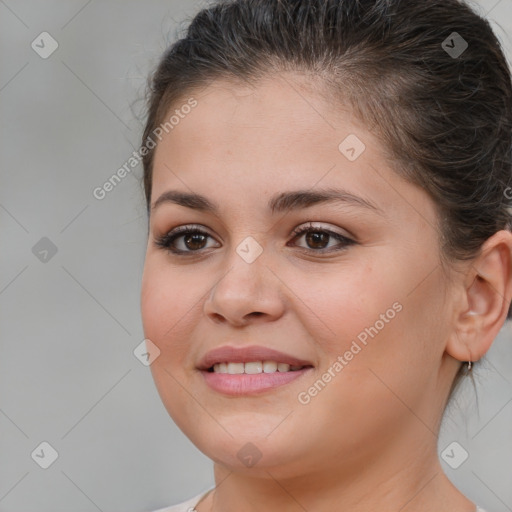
x,y
188,506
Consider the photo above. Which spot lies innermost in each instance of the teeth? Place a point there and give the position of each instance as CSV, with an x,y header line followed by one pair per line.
x,y
234,368
270,366
256,367
253,367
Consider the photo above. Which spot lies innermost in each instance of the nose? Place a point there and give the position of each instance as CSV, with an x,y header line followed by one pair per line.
x,y
245,292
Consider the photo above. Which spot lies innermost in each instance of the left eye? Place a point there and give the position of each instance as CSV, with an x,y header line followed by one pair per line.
x,y
318,238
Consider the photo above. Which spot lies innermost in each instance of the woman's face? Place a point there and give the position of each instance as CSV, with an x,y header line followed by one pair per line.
x,y
362,319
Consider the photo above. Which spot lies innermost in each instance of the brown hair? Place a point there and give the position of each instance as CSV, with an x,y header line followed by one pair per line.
x,y
443,110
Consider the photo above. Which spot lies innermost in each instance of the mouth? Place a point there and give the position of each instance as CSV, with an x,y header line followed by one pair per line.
x,y
250,370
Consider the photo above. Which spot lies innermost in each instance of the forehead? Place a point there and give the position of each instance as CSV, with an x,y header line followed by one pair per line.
x,y
269,125
273,112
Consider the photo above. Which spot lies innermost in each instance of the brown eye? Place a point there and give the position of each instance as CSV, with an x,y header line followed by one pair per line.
x,y
317,239
194,241
184,240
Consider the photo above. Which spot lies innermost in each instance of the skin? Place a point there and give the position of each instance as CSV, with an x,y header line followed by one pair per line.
x,y
368,440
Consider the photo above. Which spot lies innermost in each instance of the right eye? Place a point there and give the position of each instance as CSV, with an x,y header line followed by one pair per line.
x,y
183,240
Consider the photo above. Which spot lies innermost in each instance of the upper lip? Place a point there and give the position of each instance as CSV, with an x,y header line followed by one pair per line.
x,y
230,354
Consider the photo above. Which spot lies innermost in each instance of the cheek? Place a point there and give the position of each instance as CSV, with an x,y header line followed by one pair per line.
x,y
341,305
170,299
379,316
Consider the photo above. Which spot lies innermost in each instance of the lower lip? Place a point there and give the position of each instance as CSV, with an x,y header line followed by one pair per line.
x,y
249,384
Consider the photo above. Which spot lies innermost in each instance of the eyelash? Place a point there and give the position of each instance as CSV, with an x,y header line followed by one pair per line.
x,y
165,241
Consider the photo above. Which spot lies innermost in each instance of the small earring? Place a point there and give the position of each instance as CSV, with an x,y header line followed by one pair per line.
x,y
469,366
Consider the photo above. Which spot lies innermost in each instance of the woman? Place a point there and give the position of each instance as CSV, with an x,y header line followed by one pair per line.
x,y
329,245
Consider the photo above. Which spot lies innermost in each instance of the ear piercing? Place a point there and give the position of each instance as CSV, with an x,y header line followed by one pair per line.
x,y
471,313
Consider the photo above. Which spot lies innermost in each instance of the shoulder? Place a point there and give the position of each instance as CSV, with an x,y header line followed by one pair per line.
x,y
185,506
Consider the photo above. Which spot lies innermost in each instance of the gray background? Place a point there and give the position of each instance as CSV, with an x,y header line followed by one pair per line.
x,y
70,324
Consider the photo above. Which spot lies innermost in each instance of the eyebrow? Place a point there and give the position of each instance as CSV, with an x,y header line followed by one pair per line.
x,y
285,201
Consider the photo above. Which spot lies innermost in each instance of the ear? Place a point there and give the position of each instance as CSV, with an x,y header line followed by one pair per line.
x,y
486,295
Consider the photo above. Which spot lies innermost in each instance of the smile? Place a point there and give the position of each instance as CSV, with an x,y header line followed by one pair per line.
x,y
247,370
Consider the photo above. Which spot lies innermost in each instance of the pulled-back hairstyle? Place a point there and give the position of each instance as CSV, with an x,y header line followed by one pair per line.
x,y
442,111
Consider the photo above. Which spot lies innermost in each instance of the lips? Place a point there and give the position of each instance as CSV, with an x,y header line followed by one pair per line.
x,y
229,354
